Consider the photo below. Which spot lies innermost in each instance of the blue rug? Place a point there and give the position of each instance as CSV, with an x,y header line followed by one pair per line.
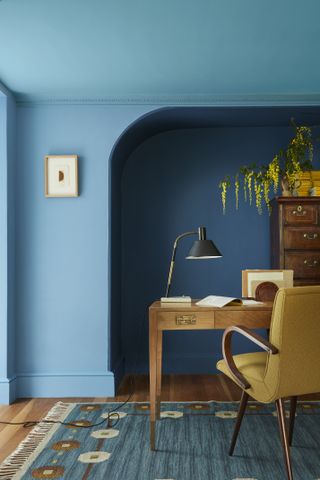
x,y
192,443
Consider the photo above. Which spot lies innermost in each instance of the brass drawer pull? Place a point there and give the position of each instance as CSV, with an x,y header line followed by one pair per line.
x,y
186,320
310,236
312,264
299,212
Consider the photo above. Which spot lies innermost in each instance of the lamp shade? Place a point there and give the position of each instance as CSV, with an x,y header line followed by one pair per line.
x,y
202,249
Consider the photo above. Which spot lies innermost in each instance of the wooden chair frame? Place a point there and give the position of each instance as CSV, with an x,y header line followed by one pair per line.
x,y
242,382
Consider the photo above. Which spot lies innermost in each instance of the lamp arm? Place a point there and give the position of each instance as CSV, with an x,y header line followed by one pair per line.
x,y
173,256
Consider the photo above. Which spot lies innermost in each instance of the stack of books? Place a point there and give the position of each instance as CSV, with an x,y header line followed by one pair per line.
x,y
304,184
315,189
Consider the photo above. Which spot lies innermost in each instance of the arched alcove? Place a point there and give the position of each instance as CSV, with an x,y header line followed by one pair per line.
x,y
164,172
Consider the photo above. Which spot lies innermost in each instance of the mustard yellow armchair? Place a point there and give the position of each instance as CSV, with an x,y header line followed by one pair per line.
x,y
289,365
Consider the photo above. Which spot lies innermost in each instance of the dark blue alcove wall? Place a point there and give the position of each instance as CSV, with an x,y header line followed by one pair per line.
x,y
169,186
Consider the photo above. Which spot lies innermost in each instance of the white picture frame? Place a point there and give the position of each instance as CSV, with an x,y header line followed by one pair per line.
x,y
61,176
252,278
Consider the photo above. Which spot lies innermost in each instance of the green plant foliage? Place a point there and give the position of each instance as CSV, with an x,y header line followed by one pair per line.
x,y
260,180
224,185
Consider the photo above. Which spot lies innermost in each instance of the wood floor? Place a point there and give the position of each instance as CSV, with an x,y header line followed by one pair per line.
x,y
175,388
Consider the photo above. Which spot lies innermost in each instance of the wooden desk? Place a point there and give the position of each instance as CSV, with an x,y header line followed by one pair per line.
x,y
191,317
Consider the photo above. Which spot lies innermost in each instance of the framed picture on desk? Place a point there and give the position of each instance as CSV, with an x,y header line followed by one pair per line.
x,y
251,279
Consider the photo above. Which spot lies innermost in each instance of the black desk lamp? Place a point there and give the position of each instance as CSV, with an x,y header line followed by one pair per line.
x,y
201,249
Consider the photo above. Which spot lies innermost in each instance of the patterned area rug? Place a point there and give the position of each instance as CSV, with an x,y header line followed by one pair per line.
x,y
192,444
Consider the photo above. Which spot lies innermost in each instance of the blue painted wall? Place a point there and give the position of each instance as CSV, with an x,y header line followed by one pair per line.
x,y
60,344
170,185
3,242
62,248
11,216
7,243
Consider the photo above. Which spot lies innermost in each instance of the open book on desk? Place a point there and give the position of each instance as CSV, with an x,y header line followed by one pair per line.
x,y
216,301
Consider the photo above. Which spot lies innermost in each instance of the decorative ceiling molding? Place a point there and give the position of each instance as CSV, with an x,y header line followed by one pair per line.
x,y
184,100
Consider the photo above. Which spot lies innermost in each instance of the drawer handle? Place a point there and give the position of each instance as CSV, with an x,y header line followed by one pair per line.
x,y
299,212
186,320
312,264
310,236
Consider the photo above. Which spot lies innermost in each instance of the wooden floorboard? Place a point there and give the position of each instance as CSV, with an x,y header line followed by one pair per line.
x,y
175,388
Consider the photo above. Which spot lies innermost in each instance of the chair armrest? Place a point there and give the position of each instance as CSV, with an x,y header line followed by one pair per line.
x,y
227,354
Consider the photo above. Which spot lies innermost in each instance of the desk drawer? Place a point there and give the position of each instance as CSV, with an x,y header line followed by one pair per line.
x,y
245,318
186,320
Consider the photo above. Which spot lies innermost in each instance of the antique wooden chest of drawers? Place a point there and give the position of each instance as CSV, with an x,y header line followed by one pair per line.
x,y
295,237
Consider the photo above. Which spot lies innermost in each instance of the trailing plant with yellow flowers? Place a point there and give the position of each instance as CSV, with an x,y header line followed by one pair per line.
x,y
259,181
224,185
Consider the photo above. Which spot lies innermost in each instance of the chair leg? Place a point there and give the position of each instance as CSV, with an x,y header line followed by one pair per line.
x,y
284,436
242,408
293,408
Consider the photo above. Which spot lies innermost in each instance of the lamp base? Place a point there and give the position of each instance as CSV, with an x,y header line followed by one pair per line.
x,y
183,299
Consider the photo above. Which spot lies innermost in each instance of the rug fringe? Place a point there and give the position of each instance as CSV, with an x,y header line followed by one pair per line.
x,y
27,447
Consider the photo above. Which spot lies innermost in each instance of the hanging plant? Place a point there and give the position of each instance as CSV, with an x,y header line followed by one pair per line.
x,y
224,185
283,170
236,189
257,184
247,173
266,191
274,173
245,187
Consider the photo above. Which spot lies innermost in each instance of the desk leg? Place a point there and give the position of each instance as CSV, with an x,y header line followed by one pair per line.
x,y
159,371
153,334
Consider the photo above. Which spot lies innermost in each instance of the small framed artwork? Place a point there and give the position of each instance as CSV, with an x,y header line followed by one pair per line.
x,y
253,279
61,176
